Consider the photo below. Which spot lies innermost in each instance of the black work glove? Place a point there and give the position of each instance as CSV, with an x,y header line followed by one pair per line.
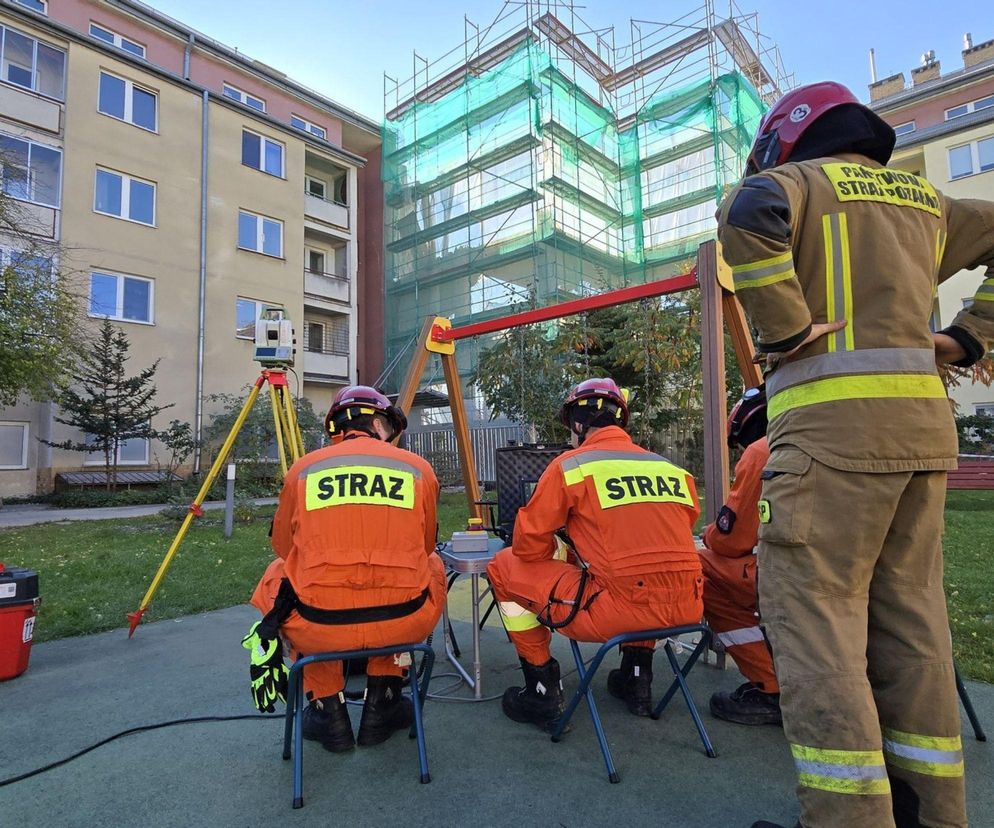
x,y
267,671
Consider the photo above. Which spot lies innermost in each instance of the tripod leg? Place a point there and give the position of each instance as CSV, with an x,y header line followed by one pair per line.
x,y
215,470
278,423
297,439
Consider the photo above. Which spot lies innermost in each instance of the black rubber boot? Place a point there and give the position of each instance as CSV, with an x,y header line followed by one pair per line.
x,y
633,681
385,711
327,721
540,701
747,705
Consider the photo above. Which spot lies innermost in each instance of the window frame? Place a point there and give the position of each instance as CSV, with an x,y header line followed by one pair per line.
x,y
968,107
899,131
308,325
311,251
61,97
260,234
259,307
978,410
975,166
25,431
129,90
118,40
263,141
96,457
307,186
309,127
242,96
126,180
31,144
118,315
43,10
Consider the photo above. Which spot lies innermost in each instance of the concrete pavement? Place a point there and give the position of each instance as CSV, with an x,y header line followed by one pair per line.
x,y
27,514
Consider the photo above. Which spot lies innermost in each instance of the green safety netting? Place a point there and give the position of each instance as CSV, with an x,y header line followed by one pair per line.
x,y
517,189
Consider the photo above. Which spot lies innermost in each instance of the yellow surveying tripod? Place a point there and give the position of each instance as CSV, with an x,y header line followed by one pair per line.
x,y
290,445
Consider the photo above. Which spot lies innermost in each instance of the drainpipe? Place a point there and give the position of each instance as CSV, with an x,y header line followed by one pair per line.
x,y
186,57
202,298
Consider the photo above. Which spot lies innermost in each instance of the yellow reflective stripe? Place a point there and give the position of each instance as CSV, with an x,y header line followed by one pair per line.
x,y
940,248
837,757
516,617
826,229
573,476
864,787
865,386
985,293
779,259
943,769
846,282
742,284
350,485
919,741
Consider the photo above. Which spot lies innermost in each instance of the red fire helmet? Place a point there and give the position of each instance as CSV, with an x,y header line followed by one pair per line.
x,y
600,389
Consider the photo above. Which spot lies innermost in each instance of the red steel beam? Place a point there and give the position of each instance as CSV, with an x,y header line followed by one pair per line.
x,y
662,287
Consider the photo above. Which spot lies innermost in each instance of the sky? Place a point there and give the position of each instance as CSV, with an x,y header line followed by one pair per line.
x,y
341,48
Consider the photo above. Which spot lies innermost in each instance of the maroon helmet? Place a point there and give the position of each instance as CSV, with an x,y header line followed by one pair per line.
x,y
355,400
747,420
595,392
795,113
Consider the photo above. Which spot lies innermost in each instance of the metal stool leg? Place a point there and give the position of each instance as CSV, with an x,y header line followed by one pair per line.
x,y
298,746
971,714
418,695
678,672
291,706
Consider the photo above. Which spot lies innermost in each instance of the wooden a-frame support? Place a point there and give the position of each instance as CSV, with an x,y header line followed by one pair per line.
x,y
719,309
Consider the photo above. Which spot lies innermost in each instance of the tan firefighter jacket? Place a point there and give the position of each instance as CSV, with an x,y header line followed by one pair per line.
x,y
845,238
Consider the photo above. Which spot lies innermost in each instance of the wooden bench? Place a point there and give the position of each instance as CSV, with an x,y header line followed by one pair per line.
x,y
974,472
125,479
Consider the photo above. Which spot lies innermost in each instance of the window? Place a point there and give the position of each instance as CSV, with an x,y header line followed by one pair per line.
x,y
262,153
40,6
30,171
315,187
247,311
316,261
261,234
341,190
315,336
237,94
133,452
904,129
114,39
970,106
124,197
975,157
984,409
124,298
299,123
121,99
33,65
13,445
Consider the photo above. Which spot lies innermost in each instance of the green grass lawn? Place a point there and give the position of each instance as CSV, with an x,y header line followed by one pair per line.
x,y
92,573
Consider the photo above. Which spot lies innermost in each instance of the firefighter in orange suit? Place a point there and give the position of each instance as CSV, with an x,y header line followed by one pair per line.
x,y
628,515
836,259
355,533
730,605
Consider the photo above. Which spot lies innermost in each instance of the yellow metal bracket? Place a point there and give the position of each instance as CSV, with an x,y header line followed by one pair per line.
x,y
436,342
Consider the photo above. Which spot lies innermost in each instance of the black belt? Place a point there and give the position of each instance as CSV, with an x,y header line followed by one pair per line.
x,y
287,601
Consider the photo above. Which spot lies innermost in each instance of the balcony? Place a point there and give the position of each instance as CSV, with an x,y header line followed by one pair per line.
x,y
329,212
30,109
320,367
328,287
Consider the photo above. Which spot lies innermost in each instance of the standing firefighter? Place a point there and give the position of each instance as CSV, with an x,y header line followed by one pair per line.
x,y
628,513
730,574
836,259
355,535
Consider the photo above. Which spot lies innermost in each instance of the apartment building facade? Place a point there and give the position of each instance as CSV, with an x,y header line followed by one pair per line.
x,y
184,187
945,128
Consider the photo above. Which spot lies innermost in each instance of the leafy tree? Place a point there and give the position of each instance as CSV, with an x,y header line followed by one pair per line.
x,y
41,316
180,442
976,434
107,405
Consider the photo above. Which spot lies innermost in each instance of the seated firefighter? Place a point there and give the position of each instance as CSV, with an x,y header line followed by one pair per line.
x,y
730,600
628,515
354,533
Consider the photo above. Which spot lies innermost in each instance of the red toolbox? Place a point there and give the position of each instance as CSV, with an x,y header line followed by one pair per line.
x,y
18,605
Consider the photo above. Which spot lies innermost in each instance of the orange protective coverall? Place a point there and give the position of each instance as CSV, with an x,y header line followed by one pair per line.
x,y
630,513
730,604
355,528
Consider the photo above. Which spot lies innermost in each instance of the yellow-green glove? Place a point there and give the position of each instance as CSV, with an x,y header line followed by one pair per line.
x,y
267,671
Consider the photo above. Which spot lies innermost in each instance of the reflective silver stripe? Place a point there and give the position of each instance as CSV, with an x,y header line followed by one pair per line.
x,y
360,460
744,274
866,361
920,754
838,282
985,290
841,771
745,635
596,456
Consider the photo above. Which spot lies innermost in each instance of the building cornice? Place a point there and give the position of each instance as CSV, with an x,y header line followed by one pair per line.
x,y
932,88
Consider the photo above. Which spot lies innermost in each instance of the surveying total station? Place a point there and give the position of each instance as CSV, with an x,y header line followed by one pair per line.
x,y
274,350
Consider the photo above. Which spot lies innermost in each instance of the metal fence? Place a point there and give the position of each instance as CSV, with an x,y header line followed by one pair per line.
x,y
437,445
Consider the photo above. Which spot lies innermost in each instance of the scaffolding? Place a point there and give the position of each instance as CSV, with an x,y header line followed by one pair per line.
x,y
540,161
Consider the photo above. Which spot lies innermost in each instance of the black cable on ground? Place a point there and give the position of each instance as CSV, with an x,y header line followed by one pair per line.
x,y
129,731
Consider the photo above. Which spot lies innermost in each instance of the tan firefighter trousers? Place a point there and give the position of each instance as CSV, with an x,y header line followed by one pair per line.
x,y
851,596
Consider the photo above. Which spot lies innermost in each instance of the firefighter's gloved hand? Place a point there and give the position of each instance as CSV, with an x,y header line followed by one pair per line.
x,y
267,671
